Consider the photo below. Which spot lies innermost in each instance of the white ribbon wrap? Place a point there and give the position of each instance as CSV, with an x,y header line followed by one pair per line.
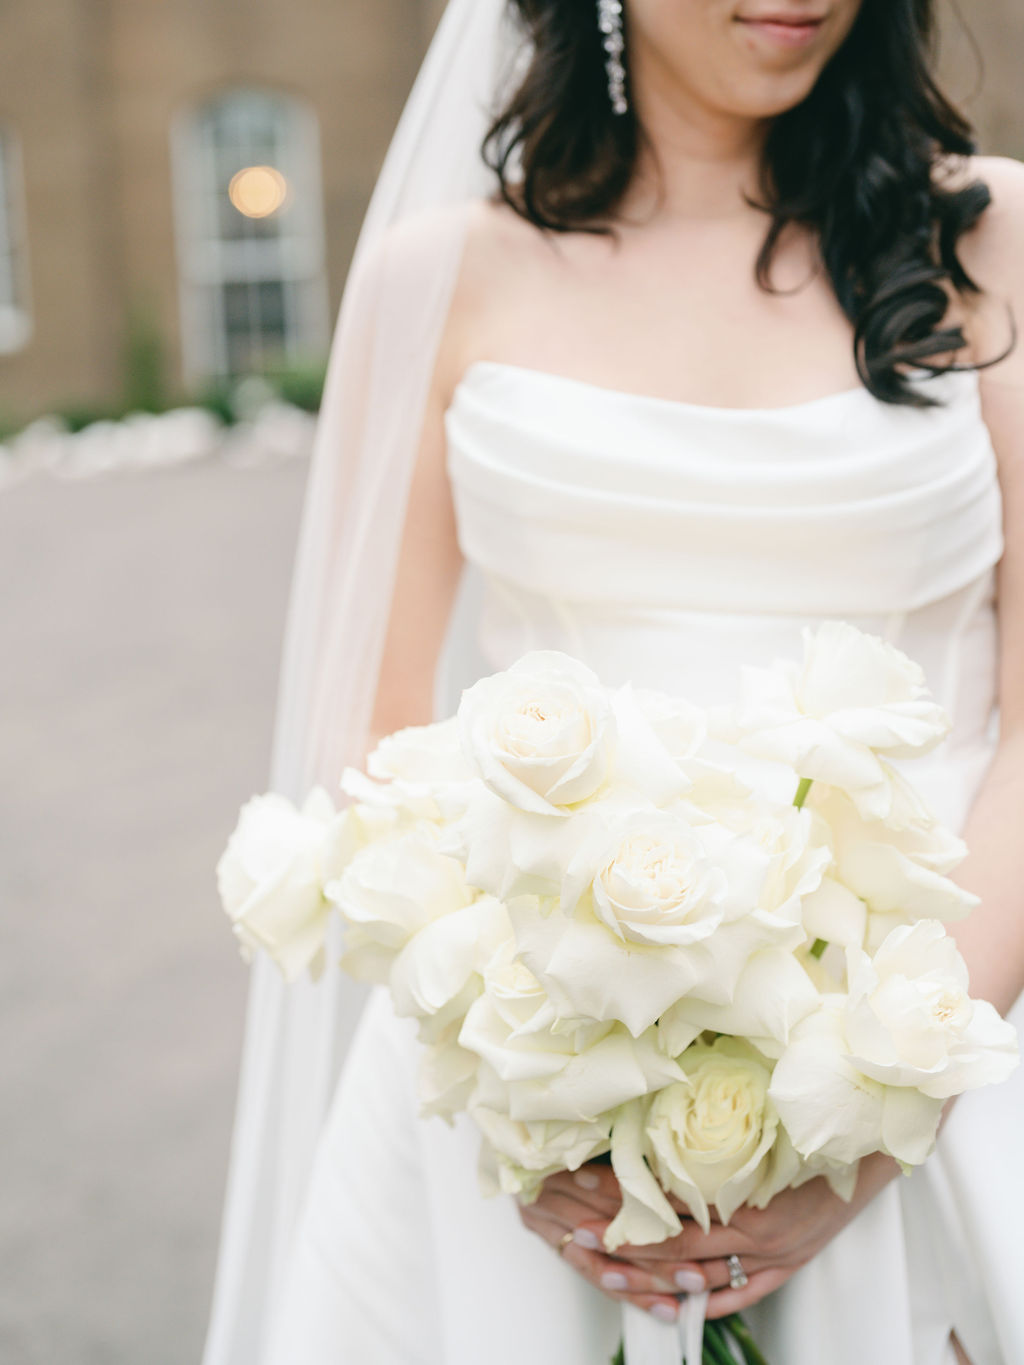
x,y
649,1342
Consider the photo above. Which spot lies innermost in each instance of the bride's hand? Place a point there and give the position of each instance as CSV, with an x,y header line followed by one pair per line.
x,y
571,1215
772,1243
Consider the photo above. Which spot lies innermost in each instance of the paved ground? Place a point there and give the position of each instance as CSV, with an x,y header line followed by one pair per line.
x,y
140,623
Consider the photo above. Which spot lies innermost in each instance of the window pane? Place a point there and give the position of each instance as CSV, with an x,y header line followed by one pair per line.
x,y
15,326
250,254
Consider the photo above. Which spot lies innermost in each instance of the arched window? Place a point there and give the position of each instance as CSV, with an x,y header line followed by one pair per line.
x,y
15,316
249,211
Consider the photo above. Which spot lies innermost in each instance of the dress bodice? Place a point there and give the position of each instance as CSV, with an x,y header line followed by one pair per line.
x,y
669,543
840,505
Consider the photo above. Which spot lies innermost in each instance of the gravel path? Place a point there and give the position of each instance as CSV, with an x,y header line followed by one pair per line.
x,y
141,622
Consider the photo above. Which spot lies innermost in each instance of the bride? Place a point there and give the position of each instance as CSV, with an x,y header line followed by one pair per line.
x,y
719,345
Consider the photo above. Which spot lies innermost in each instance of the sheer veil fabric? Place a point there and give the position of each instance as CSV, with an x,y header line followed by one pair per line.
x,y
381,363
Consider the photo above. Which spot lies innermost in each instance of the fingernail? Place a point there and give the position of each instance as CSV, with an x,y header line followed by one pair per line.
x,y
587,1180
664,1312
690,1281
583,1237
612,1279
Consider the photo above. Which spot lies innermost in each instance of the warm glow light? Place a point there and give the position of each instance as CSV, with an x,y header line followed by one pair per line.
x,y
258,191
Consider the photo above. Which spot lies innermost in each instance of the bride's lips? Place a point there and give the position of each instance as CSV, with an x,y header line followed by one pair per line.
x,y
783,30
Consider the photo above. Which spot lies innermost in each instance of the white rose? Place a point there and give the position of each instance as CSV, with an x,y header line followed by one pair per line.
x,y
712,1135
271,876
909,1020
388,892
656,878
854,698
419,772
657,886
657,736
834,914
645,1216
428,754
588,971
516,1158
895,871
447,1075
541,735
519,998
870,690
437,963
772,996
832,1110
510,852
797,853
651,908
562,1072
872,1070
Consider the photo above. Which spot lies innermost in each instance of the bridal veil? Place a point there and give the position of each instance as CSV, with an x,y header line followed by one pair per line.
x,y
378,378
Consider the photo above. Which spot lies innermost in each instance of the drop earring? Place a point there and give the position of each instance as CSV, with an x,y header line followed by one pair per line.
x,y
609,21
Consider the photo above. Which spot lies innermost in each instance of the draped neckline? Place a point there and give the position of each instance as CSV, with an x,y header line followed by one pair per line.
x,y
479,370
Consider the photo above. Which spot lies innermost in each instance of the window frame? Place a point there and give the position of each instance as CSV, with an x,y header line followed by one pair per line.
x,y
17,323
209,261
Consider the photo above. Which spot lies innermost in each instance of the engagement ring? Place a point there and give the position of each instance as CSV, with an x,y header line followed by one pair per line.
x,y
737,1275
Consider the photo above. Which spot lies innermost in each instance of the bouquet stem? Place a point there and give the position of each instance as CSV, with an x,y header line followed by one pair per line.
x,y
727,1341
802,792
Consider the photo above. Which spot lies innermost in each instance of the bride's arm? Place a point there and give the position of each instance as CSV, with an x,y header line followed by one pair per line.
x,y
776,1242
430,561
992,939
425,585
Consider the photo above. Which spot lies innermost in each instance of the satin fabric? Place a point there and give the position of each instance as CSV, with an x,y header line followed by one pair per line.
x,y
671,543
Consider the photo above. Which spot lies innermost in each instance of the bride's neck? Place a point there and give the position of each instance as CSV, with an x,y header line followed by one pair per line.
x,y
695,162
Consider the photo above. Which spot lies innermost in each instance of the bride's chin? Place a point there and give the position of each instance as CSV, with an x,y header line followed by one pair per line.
x,y
765,95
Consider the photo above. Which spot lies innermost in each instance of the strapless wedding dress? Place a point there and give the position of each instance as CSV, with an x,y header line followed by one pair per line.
x,y
670,543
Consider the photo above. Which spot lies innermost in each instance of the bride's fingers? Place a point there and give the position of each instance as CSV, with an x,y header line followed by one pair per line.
x,y
693,1244
570,1209
590,1187
725,1302
617,1279
715,1273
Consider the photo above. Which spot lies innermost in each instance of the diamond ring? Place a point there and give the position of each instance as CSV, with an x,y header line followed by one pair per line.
x,y
737,1275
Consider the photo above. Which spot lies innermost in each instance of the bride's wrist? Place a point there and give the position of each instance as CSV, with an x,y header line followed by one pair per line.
x,y
876,1171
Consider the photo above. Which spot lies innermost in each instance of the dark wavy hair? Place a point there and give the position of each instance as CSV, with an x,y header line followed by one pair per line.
x,y
855,162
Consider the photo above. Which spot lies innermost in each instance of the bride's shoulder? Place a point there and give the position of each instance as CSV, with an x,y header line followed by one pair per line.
x,y
992,254
993,250
476,250
457,267
479,234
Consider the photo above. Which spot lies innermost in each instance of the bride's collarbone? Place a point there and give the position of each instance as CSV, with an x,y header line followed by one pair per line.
x,y
679,339
655,317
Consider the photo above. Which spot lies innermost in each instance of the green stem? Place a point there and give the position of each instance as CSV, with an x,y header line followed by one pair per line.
x,y
717,1348
751,1351
715,1345
802,792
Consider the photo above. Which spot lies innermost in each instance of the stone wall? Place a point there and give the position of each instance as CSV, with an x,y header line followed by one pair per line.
x,y
982,55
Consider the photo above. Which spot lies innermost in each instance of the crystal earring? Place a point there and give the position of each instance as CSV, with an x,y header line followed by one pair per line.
x,y
609,21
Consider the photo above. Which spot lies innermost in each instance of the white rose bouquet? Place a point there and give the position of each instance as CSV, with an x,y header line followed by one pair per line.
x,y
709,946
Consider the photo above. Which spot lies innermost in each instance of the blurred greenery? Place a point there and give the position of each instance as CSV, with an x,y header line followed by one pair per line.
x,y
144,386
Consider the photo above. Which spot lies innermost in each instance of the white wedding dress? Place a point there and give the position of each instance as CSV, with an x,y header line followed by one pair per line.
x,y
669,543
